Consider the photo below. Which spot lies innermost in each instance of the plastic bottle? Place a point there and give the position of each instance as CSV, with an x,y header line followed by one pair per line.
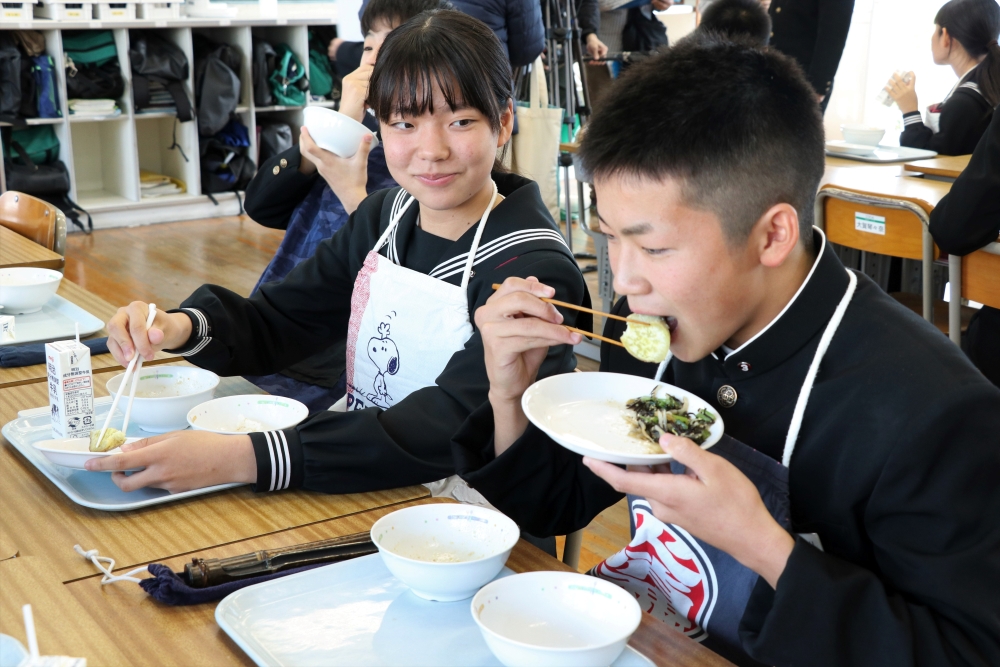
x,y
883,95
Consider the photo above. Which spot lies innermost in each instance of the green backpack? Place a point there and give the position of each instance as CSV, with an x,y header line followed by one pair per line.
x,y
288,80
39,142
320,77
90,47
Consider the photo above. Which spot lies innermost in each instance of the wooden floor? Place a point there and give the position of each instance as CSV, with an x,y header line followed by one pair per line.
x,y
164,263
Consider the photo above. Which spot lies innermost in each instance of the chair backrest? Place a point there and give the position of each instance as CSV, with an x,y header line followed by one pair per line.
x,y
34,219
981,276
873,224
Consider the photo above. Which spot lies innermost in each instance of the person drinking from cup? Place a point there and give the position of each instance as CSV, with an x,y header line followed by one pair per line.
x,y
396,284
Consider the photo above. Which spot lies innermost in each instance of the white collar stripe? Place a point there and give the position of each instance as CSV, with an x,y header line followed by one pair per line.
x,y
490,249
459,259
484,257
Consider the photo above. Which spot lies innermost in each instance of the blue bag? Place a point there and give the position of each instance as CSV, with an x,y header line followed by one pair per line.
x,y
43,68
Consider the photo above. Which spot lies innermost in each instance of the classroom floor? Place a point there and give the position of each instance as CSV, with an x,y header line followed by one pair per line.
x,y
164,263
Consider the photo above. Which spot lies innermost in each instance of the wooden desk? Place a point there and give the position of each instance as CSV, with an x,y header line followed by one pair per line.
x,y
38,520
946,166
99,308
144,632
16,250
887,181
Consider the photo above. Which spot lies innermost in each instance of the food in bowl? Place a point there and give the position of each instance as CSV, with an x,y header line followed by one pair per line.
x,y
247,413
647,338
112,439
165,395
445,552
653,416
244,425
25,290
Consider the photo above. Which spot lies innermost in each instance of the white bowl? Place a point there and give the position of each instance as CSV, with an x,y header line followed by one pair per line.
x,y
445,552
555,618
865,135
165,395
73,452
335,132
838,147
25,290
230,414
583,412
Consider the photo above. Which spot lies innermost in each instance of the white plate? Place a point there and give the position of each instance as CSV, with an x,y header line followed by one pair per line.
x,y
356,613
583,413
839,147
73,452
221,415
883,154
56,320
12,652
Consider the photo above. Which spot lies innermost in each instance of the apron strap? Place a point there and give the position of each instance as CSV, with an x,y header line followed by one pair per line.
x,y
824,343
662,368
475,241
398,209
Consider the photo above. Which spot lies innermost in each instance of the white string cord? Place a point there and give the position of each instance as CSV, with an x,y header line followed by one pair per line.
x,y
109,576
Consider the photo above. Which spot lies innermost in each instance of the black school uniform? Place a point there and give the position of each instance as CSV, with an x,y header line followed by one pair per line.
x,y
284,322
897,469
964,116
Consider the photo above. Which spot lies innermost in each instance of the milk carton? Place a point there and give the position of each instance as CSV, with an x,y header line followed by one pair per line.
x,y
7,329
71,388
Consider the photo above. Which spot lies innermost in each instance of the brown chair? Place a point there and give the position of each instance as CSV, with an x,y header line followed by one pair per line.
x,y
975,277
34,219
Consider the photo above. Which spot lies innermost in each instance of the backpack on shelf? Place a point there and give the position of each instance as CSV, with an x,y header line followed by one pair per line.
x,y
263,65
216,84
92,68
43,70
224,168
288,80
320,73
272,139
156,60
27,78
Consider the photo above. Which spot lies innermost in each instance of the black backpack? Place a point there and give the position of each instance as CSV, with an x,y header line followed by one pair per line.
x,y
154,59
92,69
10,78
216,84
263,65
224,168
272,139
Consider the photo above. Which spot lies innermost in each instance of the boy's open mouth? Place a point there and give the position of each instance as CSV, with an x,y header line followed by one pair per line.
x,y
671,323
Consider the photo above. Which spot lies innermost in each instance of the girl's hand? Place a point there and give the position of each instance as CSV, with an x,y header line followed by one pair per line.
x,y
181,461
713,501
596,49
331,50
347,177
127,332
904,92
354,91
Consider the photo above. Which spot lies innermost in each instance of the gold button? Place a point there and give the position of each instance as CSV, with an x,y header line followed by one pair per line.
x,y
777,10
726,396
283,163
276,170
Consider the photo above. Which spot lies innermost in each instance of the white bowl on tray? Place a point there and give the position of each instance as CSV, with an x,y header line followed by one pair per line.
x,y
73,452
584,412
247,413
553,619
864,135
335,132
165,395
445,552
25,290
838,147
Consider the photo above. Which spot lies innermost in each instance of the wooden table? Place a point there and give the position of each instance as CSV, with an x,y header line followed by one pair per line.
x,y
887,181
945,166
99,308
16,250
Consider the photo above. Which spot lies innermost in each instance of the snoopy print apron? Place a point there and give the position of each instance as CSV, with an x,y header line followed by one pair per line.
x,y
405,325
689,584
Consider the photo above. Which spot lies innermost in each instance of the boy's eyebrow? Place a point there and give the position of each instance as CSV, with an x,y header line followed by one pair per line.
x,y
634,230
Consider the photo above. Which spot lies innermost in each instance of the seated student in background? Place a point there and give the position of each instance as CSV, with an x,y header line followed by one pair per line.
x,y
847,417
398,282
737,18
967,219
312,198
965,37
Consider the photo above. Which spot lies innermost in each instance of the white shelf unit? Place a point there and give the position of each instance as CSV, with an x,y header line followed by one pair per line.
x,y
104,154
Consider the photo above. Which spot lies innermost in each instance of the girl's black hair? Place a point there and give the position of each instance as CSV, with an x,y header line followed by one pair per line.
x,y
441,49
976,26
737,18
397,12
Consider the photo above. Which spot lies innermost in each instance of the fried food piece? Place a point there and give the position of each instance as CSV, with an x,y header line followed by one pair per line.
x,y
647,342
652,416
113,438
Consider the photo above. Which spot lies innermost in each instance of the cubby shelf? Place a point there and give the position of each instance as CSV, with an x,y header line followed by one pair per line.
x,y
104,154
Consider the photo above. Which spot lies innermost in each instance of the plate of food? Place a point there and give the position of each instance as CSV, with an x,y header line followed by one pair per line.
x,y
75,452
618,418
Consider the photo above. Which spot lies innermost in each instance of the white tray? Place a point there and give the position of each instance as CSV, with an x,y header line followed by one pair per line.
x,y
55,321
356,613
886,154
90,489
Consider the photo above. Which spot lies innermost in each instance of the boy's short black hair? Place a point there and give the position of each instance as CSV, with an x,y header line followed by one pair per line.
x,y
737,125
397,12
737,18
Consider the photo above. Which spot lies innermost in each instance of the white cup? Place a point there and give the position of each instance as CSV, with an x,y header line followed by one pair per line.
x,y
335,132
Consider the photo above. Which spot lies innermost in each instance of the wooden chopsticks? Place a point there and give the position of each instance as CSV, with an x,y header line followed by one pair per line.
x,y
593,335
573,306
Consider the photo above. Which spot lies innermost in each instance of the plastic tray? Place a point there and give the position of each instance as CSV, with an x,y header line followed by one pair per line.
x,y
356,613
56,320
887,154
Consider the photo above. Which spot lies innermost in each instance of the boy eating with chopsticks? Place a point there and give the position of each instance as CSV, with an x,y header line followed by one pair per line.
x,y
851,515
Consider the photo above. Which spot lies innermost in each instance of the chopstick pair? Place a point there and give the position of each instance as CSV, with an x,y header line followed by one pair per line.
x,y
132,372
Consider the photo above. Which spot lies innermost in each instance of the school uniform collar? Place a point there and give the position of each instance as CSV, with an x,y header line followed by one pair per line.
x,y
799,322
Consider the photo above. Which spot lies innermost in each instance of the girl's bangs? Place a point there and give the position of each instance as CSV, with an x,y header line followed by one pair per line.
x,y
414,90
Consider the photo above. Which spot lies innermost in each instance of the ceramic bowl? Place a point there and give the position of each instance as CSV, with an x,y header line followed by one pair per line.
x,y
862,134
335,132
74,452
165,395
248,413
555,619
25,290
445,552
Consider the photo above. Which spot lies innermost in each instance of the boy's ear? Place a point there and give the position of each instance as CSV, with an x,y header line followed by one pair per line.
x,y
776,234
506,124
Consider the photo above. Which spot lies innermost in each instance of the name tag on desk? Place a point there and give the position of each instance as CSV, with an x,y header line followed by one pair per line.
x,y
866,222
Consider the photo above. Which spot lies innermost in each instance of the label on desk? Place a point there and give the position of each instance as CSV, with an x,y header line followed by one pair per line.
x,y
866,222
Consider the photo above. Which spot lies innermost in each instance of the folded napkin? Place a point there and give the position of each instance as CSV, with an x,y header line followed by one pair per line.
x,y
168,588
28,355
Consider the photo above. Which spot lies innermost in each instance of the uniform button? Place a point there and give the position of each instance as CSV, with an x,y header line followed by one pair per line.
x,y
276,170
777,10
283,163
744,366
772,34
726,396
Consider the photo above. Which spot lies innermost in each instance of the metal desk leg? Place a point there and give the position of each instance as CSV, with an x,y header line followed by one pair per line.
x,y
955,302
